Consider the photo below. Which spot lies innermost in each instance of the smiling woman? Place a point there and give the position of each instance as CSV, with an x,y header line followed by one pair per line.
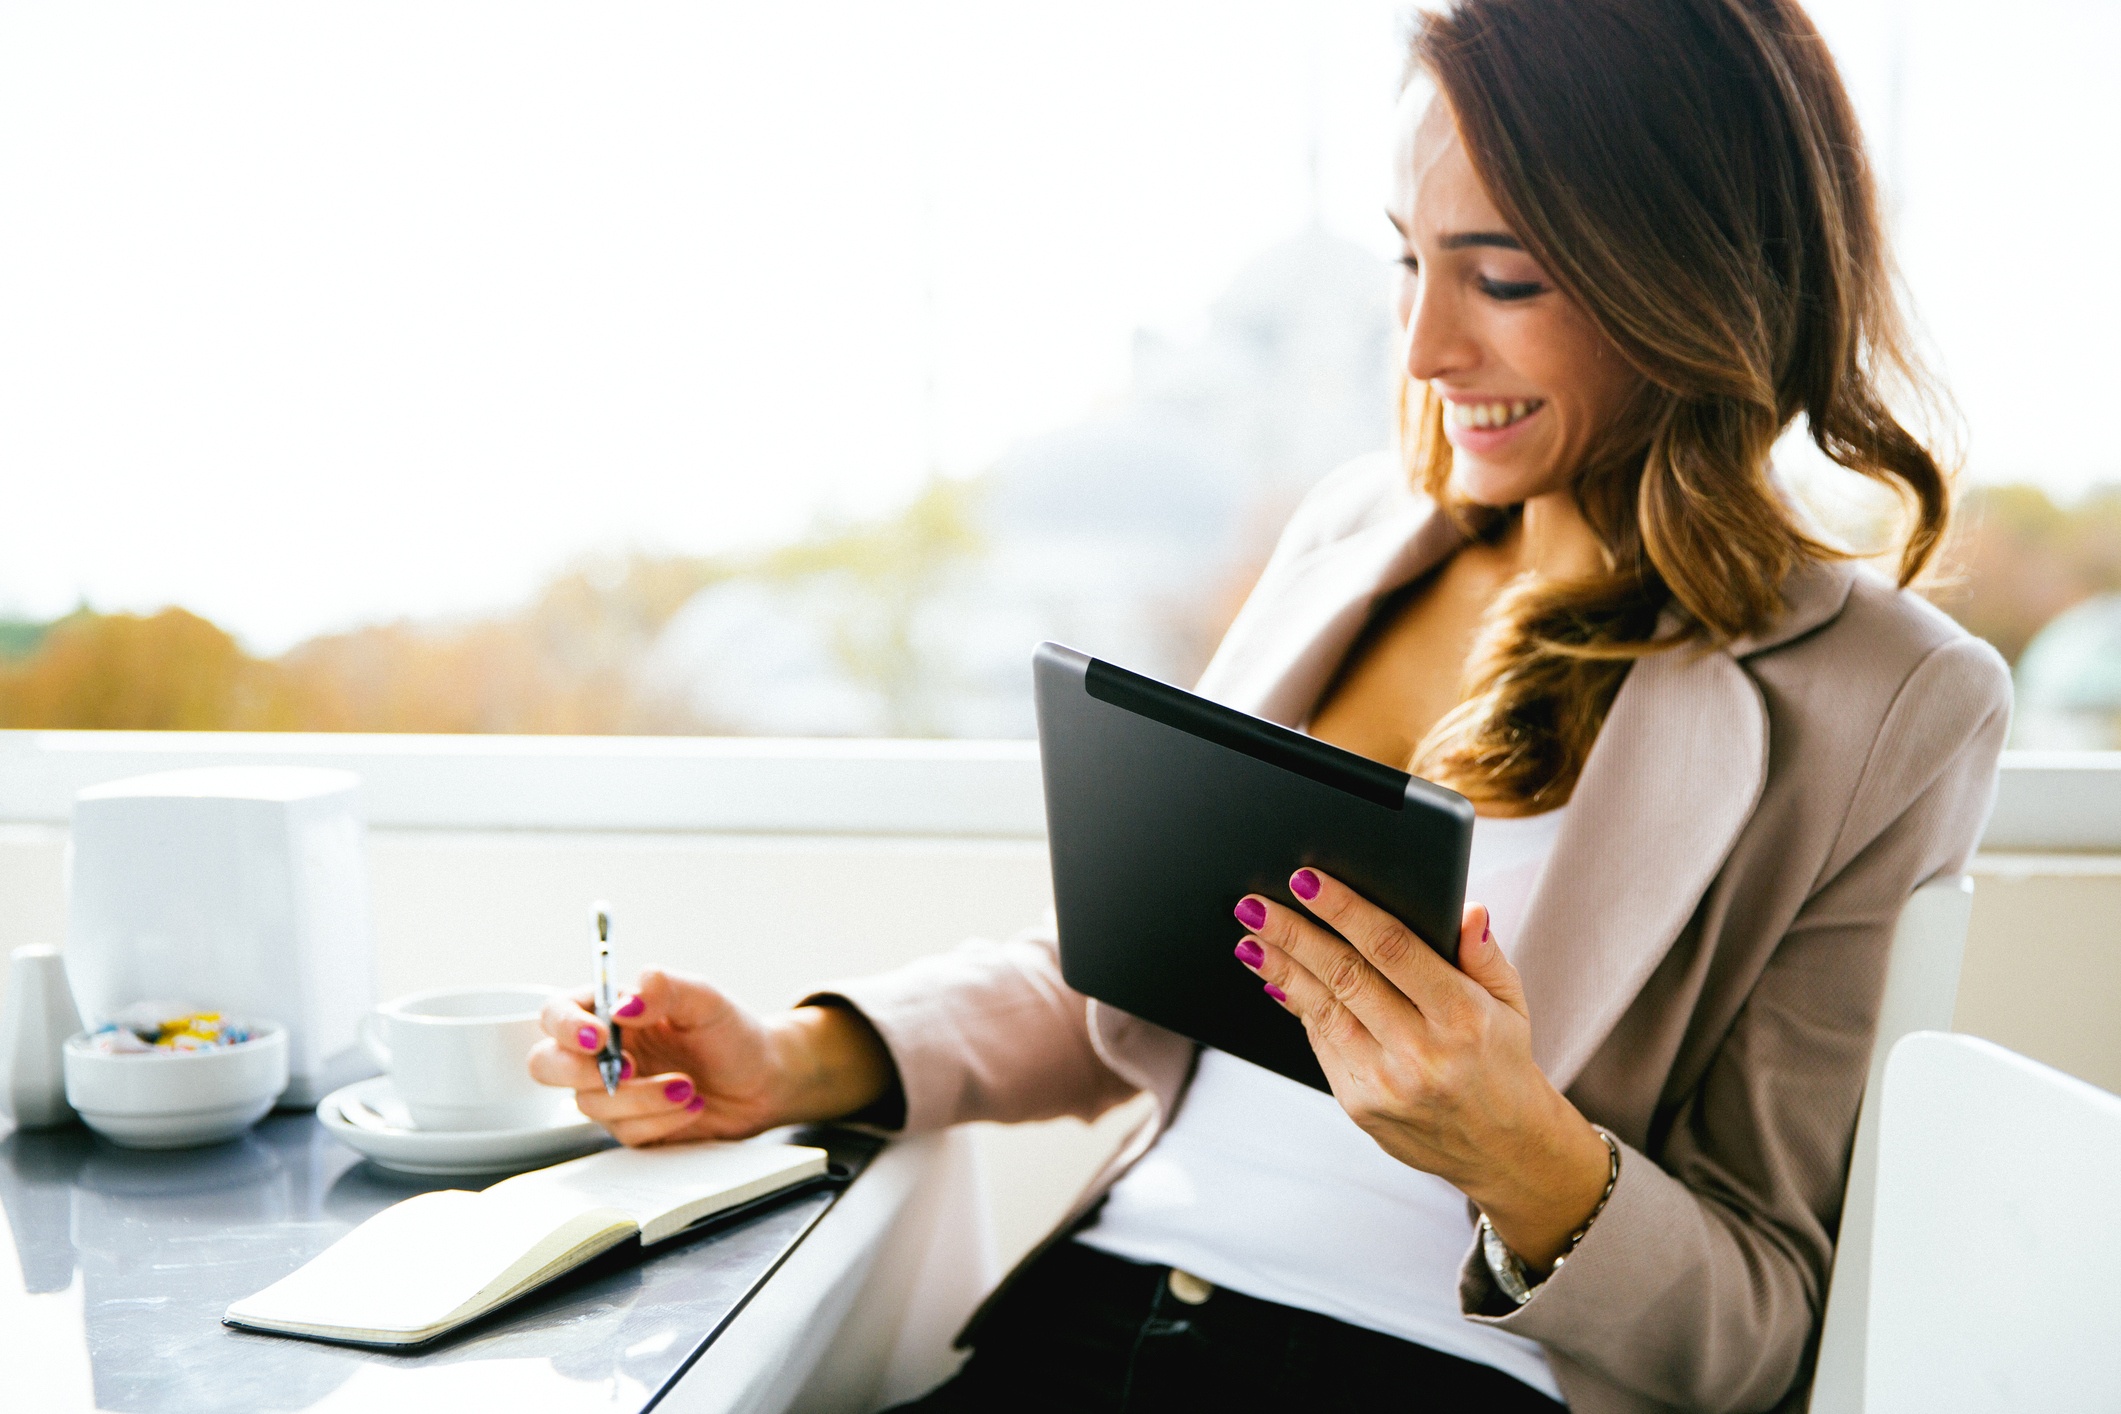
x,y
1650,362
1711,762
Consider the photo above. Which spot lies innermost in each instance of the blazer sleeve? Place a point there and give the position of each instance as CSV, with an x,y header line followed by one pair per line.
x,y
1701,1284
987,1031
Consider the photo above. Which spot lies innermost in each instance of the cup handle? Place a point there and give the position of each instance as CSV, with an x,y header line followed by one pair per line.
x,y
371,1040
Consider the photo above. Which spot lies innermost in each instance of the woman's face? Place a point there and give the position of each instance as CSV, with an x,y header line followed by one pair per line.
x,y
1528,383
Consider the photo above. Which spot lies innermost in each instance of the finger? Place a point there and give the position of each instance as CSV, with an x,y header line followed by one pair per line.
x,y
567,1020
1481,958
672,1112
1337,1035
663,1129
569,1069
1354,983
654,1097
1394,949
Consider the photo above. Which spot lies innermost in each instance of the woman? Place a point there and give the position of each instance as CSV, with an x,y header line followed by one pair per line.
x,y
1711,760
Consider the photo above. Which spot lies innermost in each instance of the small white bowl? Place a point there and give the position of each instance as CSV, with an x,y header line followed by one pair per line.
x,y
176,1099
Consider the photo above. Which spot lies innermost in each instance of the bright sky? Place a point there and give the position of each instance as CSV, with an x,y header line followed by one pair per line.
x,y
318,313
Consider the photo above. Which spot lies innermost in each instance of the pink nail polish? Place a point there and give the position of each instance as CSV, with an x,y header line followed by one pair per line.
x,y
632,1006
1277,993
1304,884
1487,935
678,1091
1251,954
697,1105
625,1070
589,1039
1251,912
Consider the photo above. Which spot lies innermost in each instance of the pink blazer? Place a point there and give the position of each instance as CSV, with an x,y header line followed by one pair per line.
x,y
1703,958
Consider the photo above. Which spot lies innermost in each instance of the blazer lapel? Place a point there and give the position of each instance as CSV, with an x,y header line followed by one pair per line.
x,y
1297,626
1670,783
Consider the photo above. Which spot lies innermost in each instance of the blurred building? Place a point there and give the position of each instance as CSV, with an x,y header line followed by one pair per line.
x,y
1132,534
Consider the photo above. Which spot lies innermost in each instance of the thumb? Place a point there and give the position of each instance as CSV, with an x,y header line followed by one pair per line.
x,y
1480,958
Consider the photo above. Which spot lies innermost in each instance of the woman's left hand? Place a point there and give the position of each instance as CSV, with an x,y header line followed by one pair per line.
x,y
1433,1061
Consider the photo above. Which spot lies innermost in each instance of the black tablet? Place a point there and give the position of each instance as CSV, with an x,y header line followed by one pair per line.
x,y
1163,809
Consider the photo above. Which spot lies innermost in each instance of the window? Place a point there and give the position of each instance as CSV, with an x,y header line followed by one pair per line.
x,y
794,369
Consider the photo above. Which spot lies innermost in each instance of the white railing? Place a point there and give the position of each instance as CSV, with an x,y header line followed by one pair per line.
x,y
2064,801
721,785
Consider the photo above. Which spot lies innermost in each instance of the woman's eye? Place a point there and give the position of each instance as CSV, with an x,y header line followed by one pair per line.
x,y
1410,264
1511,289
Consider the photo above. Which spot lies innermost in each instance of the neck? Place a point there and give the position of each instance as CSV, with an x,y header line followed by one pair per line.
x,y
1552,540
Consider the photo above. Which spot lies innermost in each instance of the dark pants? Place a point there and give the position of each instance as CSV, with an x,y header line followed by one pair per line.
x,y
1086,1332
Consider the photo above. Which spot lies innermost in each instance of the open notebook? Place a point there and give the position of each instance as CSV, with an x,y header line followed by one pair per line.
x,y
425,1266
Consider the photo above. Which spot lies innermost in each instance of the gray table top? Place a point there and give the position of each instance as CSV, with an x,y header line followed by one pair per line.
x,y
135,1255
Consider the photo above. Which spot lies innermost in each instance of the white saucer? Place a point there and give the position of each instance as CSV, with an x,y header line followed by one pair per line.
x,y
384,1135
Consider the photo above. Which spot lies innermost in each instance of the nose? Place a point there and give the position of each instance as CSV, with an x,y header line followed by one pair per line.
x,y
1438,345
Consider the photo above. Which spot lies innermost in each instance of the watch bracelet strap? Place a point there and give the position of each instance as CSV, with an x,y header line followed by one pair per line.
x,y
1508,1269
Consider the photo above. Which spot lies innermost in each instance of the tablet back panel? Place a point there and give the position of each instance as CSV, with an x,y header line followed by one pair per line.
x,y
1163,809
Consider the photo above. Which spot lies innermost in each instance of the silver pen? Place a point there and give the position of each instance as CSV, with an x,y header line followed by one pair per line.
x,y
609,1061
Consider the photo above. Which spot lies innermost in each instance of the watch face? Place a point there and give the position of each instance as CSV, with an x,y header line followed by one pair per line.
x,y
1504,1265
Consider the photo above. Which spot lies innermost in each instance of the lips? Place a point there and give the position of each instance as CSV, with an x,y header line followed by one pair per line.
x,y
1491,415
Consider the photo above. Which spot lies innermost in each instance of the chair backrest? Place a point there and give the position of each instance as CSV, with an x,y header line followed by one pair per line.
x,y
1998,1235
1921,988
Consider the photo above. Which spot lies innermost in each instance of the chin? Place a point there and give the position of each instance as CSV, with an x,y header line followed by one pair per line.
x,y
1486,484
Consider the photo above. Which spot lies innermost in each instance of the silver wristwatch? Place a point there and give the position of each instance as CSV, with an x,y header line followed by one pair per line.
x,y
1505,1265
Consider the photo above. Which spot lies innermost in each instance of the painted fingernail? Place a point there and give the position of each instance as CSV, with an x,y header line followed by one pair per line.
x,y
1251,954
678,1091
625,1070
1251,912
1304,884
632,1006
1277,993
589,1039
697,1105
1487,934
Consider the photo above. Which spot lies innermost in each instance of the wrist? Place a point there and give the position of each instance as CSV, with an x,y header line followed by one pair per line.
x,y
830,1060
1545,1198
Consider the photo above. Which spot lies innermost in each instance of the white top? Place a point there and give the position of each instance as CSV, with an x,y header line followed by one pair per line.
x,y
1266,1186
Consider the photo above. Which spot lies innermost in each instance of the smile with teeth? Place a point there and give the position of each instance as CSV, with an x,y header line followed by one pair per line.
x,y
1491,415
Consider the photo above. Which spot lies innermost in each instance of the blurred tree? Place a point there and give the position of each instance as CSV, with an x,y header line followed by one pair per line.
x,y
2018,559
572,659
19,637
892,568
171,671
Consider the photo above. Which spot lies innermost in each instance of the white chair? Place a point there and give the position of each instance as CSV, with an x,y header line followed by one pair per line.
x,y
1921,988
1998,1236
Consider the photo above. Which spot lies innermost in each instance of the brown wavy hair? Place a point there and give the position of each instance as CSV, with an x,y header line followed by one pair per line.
x,y
1692,174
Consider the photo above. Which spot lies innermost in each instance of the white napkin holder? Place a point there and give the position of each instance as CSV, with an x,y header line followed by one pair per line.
x,y
239,888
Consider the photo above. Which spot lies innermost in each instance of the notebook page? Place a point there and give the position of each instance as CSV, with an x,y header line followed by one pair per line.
x,y
667,1188
432,1262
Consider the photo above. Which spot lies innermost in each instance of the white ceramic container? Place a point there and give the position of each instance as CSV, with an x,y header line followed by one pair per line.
x,y
244,884
38,1018
176,1099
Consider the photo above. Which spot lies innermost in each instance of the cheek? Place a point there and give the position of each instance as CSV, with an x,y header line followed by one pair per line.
x,y
1586,380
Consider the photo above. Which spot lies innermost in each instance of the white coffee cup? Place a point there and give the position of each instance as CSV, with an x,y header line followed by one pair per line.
x,y
459,1055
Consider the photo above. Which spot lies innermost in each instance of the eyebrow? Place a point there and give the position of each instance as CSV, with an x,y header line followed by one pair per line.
x,y
1499,240
1462,240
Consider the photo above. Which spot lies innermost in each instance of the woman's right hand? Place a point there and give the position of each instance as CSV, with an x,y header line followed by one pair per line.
x,y
698,1066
